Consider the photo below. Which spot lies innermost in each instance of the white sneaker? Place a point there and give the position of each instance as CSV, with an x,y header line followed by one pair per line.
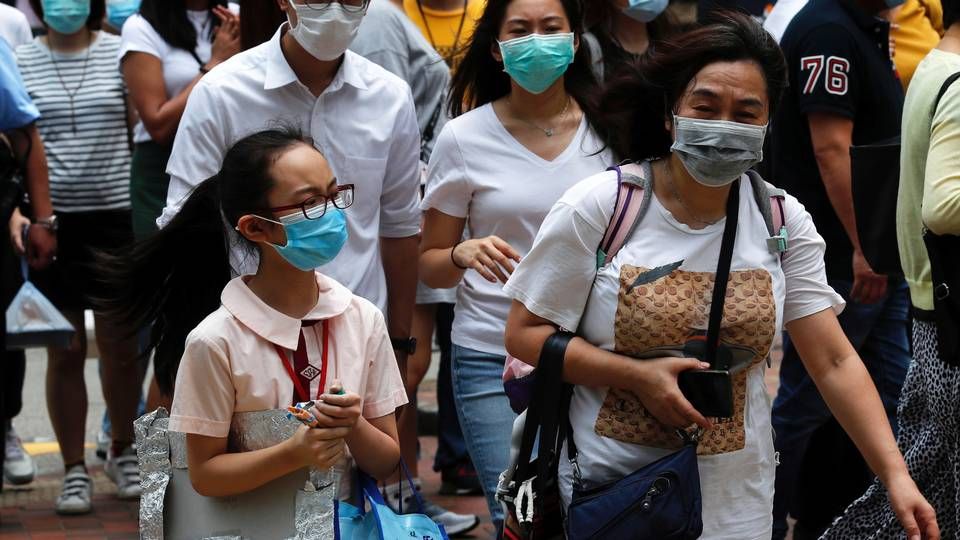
x,y
452,522
77,492
18,466
124,470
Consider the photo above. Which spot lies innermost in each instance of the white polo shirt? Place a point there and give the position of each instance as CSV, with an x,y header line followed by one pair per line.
x,y
364,123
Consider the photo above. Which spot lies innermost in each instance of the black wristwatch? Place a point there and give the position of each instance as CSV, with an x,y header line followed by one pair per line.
x,y
405,345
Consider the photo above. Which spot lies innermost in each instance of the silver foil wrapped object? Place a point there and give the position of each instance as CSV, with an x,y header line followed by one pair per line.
x,y
298,506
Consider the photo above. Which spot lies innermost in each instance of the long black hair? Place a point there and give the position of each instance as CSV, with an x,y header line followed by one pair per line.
x,y
600,16
951,12
642,96
479,79
174,278
169,19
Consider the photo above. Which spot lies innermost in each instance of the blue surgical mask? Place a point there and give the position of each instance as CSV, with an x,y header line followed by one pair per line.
x,y
536,61
645,10
66,16
312,243
118,11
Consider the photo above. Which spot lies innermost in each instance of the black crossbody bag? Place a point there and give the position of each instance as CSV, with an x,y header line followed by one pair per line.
x,y
944,253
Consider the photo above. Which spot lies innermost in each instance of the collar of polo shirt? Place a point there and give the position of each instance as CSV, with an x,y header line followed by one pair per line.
x,y
279,73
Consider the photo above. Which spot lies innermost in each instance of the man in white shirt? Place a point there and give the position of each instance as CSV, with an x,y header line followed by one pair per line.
x,y
359,116
14,26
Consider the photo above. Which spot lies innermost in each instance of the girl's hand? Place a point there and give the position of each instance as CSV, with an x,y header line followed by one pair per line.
x,y
658,389
227,41
321,448
918,518
491,257
338,410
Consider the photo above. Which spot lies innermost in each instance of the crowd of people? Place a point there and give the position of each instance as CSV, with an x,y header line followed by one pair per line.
x,y
279,201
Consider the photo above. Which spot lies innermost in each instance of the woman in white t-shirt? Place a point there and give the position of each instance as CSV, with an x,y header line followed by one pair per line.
x,y
521,135
701,101
164,51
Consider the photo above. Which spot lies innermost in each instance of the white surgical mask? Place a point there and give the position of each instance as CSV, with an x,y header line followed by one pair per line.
x,y
326,33
717,152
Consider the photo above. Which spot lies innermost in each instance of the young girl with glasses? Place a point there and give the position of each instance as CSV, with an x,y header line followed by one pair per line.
x,y
285,334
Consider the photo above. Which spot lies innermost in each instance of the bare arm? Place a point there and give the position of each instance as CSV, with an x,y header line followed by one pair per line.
x,y
42,242
216,473
491,256
832,136
653,381
440,233
398,256
143,74
842,379
374,443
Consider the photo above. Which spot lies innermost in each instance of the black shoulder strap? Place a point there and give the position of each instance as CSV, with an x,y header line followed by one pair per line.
x,y
943,89
723,274
543,414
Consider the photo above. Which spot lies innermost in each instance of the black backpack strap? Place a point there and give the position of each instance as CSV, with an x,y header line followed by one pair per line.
x,y
943,89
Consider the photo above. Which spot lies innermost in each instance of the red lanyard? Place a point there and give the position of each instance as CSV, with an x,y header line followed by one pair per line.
x,y
304,394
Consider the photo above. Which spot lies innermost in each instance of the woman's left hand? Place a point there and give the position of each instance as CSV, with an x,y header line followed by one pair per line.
x,y
338,410
917,516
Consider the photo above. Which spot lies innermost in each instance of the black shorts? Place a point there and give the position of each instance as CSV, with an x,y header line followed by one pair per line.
x,y
72,280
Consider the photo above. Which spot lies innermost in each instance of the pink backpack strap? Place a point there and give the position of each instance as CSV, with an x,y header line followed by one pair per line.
x,y
633,197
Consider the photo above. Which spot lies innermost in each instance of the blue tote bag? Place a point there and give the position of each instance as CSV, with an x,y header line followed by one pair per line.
x,y
380,522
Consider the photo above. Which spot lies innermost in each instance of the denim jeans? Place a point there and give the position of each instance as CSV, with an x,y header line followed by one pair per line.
x,y
879,334
451,448
485,416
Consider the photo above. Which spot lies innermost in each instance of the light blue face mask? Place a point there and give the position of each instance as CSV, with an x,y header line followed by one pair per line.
x,y
536,61
312,243
118,11
66,16
645,10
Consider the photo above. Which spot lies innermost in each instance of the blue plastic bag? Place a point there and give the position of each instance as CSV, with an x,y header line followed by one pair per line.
x,y
381,522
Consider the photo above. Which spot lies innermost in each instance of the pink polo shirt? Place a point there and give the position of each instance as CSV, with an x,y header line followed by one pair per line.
x,y
230,363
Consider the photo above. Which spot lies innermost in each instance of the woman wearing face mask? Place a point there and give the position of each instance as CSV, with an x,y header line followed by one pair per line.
x,y
70,75
521,135
700,106
167,47
619,31
285,334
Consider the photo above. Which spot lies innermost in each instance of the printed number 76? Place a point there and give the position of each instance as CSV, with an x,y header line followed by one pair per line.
x,y
836,79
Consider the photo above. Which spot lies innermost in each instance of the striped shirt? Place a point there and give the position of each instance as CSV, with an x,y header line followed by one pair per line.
x,y
89,168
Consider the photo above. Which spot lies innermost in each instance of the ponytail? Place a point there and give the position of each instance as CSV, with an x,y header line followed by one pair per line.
x,y
172,279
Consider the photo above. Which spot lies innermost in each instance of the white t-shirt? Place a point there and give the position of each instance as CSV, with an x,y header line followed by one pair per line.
x,y
780,16
179,66
656,292
14,27
478,171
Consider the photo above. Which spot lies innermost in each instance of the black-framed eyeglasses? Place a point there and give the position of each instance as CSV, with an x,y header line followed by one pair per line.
x,y
350,6
316,206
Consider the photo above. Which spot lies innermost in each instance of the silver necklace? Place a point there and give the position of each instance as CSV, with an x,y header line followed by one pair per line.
x,y
550,131
676,195
83,75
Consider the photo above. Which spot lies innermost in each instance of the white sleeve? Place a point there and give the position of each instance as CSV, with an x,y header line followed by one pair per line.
x,y
198,148
807,291
448,189
399,215
555,278
23,33
138,35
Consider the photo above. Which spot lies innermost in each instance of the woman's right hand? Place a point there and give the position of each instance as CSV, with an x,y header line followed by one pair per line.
x,y
658,389
491,257
227,41
318,447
